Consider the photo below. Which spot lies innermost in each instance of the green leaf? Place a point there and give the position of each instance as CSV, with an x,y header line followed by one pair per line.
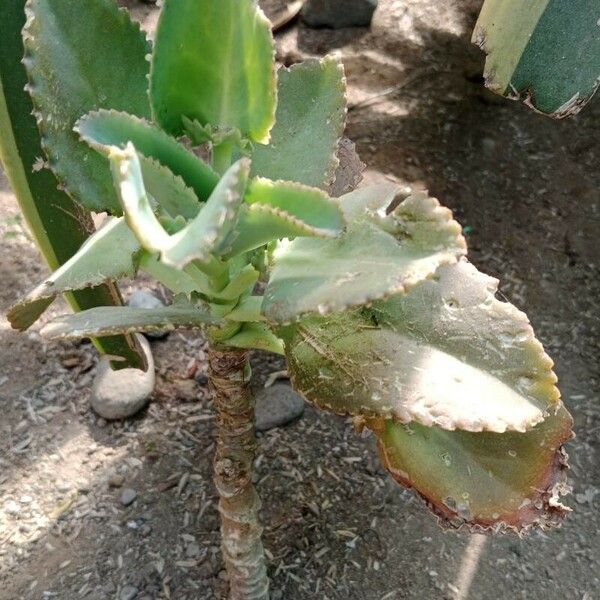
x,y
202,236
77,62
57,223
364,264
307,204
108,254
486,481
256,336
446,354
104,129
124,319
168,190
311,112
546,52
213,61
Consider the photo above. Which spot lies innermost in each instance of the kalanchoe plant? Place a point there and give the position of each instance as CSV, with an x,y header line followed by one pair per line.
x,y
369,296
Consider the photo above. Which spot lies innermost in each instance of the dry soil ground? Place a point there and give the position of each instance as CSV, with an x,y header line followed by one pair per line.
x,y
336,526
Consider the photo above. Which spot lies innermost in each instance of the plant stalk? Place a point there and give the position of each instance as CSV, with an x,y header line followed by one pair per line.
x,y
239,503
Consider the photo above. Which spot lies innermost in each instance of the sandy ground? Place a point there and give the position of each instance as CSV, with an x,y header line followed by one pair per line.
x,y
336,526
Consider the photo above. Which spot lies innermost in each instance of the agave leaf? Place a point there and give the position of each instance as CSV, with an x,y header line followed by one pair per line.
x,y
109,253
256,336
104,129
109,320
311,112
546,52
76,65
259,224
486,481
202,236
365,264
214,62
308,204
58,224
446,354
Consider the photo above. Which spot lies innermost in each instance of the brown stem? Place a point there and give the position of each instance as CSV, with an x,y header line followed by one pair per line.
x,y
239,503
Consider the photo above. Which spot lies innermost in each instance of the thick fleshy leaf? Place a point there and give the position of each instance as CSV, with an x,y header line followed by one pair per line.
x,y
256,336
308,204
104,129
57,223
364,264
78,62
110,253
110,320
446,354
506,482
214,62
197,240
259,224
311,113
546,52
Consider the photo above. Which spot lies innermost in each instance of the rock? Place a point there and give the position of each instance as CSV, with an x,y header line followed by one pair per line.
x,y
12,508
129,592
128,496
338,13
120,394
143,299
116,480
276,406
349,172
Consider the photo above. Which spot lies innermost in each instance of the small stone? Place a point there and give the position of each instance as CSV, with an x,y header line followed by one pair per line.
x,y
276,406
121,394
26,499
129,592
349,172
143,299
201,378
12,508
116,480
192,550
338,13
128,496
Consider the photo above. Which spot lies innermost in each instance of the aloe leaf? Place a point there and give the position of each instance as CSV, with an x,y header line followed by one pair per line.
x,y
308,204
57,223
177,281
104,129
241,282
108,254
546,52
202,236
213,62
503,482
311,113
256,336
109,320
446,354
364,264
259,224
80,59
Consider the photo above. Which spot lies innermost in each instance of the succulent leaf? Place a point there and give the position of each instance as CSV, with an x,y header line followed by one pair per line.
x,y
197,240
546,52
110,320
503,482
110,253
310,120
365,263
76,65
256,336
213,62
445,354
104,129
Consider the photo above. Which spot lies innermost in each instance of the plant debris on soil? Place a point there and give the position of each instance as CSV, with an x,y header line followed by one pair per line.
x,y
127,510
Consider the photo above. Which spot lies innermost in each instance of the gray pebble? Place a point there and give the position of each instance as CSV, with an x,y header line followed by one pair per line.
x,y
121,394
129,592
276,406
143,299
128,496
